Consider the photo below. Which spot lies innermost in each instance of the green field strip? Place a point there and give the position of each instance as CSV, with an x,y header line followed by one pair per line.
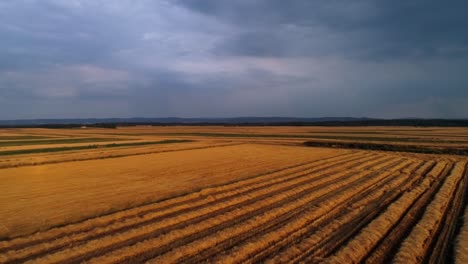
x,y
387,139
58,141
387,147
4,138
113,145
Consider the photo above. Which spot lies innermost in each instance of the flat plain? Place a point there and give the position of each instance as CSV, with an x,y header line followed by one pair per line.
x,y
228,194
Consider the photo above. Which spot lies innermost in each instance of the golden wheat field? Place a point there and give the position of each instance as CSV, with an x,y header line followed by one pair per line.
x,y
214,194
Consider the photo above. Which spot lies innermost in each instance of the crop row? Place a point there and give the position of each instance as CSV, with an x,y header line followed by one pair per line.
x,y
351,208
58,238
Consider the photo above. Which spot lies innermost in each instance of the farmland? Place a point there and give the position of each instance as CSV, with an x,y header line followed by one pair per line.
x,y
218,194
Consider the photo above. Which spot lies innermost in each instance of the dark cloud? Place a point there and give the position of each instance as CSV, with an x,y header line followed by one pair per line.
x,y
363,29
84,58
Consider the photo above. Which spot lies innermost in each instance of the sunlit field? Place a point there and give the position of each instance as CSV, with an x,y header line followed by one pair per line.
x,y
227,194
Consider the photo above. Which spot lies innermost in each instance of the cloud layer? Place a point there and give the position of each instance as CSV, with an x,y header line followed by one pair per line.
x,y
219,58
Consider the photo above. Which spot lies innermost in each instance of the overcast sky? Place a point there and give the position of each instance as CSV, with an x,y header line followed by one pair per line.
x,y
223,58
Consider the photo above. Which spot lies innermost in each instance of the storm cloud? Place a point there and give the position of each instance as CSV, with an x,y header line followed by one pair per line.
x,y
221,58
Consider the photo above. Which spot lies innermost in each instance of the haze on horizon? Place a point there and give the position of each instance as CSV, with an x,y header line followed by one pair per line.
x,y
222,58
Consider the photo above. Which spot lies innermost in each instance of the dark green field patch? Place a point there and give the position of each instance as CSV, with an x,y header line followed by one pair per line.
x,y
57,141
385,139
391,139
390,133
388,147
21,137
348,132
113,145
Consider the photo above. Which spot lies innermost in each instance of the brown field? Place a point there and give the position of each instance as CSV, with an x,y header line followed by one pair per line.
x,y
230,195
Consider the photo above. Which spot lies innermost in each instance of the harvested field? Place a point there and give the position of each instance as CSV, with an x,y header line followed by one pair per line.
x,y
232,201
103,153
461,247
62,192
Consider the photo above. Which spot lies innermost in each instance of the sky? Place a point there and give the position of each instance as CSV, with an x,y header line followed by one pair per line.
x,y
226,58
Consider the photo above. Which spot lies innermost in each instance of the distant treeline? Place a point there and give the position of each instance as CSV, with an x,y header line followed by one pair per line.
x,y
388,147
358,122
400,122
61,126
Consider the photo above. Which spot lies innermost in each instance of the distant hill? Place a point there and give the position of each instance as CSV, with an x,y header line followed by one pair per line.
x,y
247,121
163,120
